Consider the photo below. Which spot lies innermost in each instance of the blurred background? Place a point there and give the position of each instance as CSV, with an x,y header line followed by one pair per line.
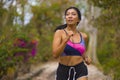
x,y
27,28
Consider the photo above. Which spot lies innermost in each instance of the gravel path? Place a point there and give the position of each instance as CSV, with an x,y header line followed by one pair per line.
x,y
49,72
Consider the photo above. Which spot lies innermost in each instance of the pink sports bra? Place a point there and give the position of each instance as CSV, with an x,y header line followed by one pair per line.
x,y
74,49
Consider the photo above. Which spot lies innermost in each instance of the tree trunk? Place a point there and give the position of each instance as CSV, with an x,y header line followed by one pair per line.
x,y
86,25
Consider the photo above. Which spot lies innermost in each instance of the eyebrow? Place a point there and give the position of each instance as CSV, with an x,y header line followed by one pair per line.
x,y
71,12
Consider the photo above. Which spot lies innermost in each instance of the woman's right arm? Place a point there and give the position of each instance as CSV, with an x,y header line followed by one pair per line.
x,y
58,44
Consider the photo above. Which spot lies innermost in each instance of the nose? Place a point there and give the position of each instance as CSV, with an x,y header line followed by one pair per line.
x,y
69,16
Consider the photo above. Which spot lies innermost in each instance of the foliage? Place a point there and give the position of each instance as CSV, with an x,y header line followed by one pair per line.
x,y
46,16
108,24
14,48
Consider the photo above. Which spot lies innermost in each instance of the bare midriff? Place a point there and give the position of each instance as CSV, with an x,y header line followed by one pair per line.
x,y
70,60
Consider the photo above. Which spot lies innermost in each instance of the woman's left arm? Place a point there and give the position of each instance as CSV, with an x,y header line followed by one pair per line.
x,y
86,58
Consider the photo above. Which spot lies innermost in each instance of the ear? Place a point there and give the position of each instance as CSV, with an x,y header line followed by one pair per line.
x,y
78,20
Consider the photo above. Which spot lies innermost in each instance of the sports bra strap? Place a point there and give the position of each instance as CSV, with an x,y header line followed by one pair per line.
x,y
65,31
80,35
77,31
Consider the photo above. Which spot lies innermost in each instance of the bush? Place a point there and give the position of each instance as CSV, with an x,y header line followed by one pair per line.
x,y
19,48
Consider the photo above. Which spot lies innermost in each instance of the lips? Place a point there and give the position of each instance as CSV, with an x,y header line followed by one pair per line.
x,y
70,20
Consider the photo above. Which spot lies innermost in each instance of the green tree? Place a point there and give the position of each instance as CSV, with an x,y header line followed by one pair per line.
x,y
7,35
46,16
108,24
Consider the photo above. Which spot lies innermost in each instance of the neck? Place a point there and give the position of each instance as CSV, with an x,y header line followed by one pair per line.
x,y
71,28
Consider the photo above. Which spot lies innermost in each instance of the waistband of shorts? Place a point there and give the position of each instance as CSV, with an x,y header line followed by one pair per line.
x,y
81,63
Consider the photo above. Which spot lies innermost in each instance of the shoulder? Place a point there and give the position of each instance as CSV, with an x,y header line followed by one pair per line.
x,y
59,32
84,35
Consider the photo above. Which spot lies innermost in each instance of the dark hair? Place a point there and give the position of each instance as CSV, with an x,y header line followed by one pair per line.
x,y
76,9
65,25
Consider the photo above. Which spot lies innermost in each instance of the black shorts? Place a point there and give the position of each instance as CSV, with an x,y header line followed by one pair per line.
x,y
71,72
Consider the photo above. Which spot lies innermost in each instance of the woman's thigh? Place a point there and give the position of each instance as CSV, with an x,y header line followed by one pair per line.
x,y
83,78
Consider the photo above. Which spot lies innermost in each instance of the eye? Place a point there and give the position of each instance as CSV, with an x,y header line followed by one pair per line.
x,y
74,14
67,14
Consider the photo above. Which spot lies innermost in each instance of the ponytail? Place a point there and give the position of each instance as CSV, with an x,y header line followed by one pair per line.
x,y
60,27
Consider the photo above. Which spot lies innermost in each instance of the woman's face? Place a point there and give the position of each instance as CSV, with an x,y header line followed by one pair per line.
x,y
71,17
